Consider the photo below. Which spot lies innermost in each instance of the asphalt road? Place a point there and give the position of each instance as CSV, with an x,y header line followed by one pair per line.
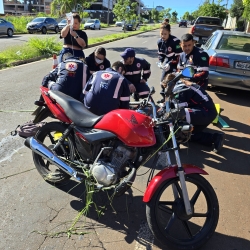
x,y
17,39
30,207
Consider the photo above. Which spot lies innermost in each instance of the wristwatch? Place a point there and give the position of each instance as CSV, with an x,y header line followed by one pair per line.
x,y
76,36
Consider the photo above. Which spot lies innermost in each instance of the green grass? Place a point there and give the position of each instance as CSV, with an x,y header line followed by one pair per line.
x,y
36,47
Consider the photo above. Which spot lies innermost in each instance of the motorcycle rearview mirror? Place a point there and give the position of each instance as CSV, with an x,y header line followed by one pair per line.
x,y
188,72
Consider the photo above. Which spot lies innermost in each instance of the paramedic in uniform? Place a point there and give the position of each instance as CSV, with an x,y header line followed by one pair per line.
x,y
169,50
69,77
97,60
137,72
198,110
196,57
107,90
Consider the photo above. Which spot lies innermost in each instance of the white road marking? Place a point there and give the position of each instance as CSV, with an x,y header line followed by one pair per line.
x,y
145,41
145,239
9,146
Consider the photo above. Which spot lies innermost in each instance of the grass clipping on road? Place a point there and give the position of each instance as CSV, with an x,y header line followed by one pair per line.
x,y
37,47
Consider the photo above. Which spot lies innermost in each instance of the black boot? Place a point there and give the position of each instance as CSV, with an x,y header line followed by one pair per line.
x,y
218,140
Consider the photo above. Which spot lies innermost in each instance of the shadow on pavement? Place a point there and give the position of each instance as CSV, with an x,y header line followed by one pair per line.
x,y
128,213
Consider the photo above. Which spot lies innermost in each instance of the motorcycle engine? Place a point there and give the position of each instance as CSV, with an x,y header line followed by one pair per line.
x,y
107,173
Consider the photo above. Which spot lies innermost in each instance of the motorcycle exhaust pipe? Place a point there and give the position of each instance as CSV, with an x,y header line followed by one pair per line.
x,y
47,153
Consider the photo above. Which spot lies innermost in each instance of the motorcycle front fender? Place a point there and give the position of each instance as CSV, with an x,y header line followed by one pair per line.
x,y
166,174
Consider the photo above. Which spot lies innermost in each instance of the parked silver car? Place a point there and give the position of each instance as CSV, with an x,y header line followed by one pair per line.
x,y
229,63
92,24
62,24
6,28
42,24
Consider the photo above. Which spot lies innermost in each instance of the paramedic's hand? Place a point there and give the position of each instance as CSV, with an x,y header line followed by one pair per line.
x,y
143,81
186,82
166,67
72,32
132,88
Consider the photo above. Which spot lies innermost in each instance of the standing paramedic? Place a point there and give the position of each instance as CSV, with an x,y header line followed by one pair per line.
x,y
75,40
137,72
107,90
169,50
196,57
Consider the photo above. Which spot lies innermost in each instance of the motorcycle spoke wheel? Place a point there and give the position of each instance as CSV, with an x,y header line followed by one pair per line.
x,y
167,217
49,135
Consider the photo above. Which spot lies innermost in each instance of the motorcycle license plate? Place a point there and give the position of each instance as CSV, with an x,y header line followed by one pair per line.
x,y
242,65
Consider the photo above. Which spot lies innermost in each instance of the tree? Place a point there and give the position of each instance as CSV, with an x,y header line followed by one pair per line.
x,y
166,13
155,15
212,9
246,13
237,9
187,16
125,10
174,16
69,5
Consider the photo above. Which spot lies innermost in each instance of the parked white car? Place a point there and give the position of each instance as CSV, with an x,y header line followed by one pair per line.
x,y
119,23
92,24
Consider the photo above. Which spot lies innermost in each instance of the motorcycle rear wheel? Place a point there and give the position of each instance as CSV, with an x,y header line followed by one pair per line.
x,y
167,218
49,135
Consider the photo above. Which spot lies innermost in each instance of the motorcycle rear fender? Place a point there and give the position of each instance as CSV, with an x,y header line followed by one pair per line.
x,y
166,174
42,115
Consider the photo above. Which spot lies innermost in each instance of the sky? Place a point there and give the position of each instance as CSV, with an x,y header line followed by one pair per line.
x,y
181,6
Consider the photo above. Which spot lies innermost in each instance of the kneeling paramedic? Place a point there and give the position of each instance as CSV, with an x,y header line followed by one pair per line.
x,y
197,108
137,72
107,90
69,77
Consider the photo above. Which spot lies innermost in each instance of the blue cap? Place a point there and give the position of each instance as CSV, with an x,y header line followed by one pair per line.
x,y
129,52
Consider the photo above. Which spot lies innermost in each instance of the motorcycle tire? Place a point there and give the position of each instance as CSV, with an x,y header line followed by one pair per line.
x,y
167,218
47,135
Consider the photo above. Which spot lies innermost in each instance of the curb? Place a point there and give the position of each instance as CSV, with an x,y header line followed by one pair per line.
x,y
17,63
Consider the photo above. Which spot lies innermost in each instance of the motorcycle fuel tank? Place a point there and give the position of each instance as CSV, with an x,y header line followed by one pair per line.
x,y
132,128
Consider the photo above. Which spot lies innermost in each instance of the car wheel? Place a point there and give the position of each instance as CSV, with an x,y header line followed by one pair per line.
x,y
99,27
57,29
94,28
9,32
44,30
30,32
179,26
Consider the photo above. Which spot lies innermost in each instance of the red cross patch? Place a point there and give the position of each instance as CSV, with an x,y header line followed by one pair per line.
x,y
71,66
106,76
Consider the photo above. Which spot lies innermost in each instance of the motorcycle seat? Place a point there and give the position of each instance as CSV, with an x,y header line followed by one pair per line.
x,y
75,110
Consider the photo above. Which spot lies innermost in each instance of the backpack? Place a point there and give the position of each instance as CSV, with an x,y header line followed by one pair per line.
x,y
27,129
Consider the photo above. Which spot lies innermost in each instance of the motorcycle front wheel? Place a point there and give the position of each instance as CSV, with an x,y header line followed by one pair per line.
x,y
167,218
49,135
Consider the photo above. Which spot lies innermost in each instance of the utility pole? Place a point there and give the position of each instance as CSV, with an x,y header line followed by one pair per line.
x,y
108,13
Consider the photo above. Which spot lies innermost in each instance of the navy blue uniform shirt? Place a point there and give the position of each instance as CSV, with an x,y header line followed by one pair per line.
x,y
105,91
140,69
168,51
199,59
70,77
93,67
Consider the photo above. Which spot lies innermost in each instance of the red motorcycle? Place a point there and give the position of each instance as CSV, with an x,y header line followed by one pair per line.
x,y
182,208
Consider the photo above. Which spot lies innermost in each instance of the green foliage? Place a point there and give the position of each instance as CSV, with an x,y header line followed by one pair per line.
x,y
125,10
188,16
17,53
246,12
174,17
64,6
155,15
212,9
47,46
237,9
